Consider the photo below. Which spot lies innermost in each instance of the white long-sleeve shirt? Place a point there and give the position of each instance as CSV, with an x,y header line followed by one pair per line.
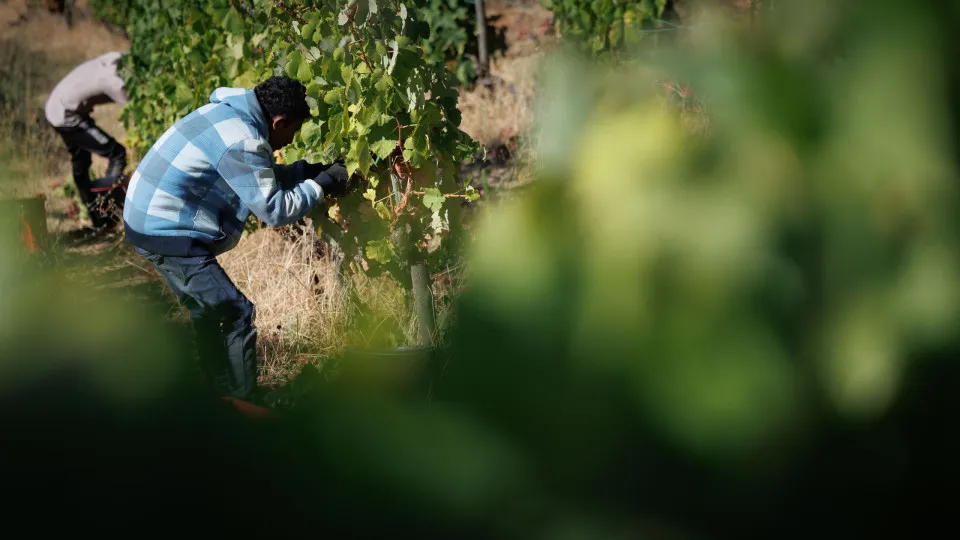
x,y
92,83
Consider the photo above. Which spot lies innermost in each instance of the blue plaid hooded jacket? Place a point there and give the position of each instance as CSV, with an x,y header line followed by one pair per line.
x,y
195,188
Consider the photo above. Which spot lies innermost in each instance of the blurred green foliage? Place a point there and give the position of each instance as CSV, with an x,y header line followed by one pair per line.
x,y
598,26
746,332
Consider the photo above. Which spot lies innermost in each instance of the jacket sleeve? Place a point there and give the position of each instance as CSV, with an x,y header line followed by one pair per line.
x,y
276,194
113,85
290,175
115,91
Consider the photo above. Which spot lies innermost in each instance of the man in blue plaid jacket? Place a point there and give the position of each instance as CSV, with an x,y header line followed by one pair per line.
x,y
191,194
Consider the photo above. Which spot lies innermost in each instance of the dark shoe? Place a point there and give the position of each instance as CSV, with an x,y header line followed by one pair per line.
x,y
250,410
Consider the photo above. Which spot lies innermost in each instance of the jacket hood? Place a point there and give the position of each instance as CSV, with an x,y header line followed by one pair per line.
x,y
245,103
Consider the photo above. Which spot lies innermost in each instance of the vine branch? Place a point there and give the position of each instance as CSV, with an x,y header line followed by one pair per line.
x,y
448,195
290,11
356,37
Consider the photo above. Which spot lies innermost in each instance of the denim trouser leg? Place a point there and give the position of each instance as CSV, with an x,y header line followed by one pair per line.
x,y
223,319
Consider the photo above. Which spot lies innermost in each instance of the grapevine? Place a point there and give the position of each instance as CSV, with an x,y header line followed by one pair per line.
x,y
378,104
453,36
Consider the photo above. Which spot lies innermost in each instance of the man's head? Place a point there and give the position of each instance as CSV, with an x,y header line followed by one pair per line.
x,y
284,104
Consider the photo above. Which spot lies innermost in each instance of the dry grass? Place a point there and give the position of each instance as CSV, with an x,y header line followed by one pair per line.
x,y
496,114
307,313
301,307
31,24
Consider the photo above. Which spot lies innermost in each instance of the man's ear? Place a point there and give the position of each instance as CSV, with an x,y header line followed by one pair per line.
x,y
278,121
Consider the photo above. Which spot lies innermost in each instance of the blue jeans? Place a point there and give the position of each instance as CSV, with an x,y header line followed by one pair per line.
x,y
223,320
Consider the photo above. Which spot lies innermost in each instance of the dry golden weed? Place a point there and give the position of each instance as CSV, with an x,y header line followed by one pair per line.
x,y
307,314
301,309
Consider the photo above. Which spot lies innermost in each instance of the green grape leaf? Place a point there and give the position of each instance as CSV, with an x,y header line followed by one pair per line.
x,y
294,61
236,47
308,29
290,154
312,132
232,22
381,251
384,83
304,72
362,11
333,96
231,67
362,150
433,199
248,79
384,147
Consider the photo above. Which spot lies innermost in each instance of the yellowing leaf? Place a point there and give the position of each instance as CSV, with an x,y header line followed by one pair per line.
x,y
380,250
248,79
383,211
334,213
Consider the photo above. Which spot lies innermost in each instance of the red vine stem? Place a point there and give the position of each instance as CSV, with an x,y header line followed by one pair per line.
x,y
402,172
400,167
353,32
403,204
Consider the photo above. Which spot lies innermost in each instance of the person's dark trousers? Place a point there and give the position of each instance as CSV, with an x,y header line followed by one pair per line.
x,y
223,320
81,141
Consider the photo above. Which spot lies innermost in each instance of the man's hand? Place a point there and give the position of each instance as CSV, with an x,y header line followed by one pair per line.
x,y
311,170
332,178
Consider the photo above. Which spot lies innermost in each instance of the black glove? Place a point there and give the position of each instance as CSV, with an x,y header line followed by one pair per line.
x,y
332,178
311,170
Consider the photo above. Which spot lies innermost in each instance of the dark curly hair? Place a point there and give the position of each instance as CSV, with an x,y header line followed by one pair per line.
x,y
284,96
